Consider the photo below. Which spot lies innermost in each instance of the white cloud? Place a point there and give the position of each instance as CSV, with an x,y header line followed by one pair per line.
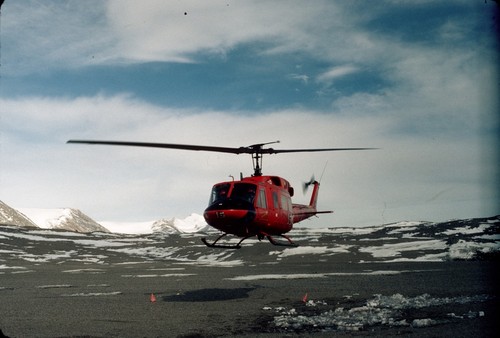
x,y
84,33
38,36
336,72
135,184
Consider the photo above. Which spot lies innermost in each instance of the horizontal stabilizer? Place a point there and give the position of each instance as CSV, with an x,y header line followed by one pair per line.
x,y
312,213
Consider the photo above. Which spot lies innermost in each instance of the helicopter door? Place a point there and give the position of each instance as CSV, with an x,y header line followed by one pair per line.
x,y
274,208
262,212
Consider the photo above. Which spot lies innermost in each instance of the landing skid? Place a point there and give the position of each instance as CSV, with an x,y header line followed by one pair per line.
x,y
290,242
238,245
223,246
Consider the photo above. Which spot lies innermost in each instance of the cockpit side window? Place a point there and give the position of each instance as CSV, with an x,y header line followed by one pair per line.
x,y
261,199
275,200
219,192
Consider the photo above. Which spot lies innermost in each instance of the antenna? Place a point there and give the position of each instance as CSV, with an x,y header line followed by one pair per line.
x,y
324,168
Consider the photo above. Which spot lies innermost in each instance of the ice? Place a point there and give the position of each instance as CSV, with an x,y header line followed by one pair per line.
x,y
468,250
163,275
393,250
92,294
87,270
4,267
57,233
312,275
439,257
381,310
427,243
423,322
468,230
56,286
43,258
308,250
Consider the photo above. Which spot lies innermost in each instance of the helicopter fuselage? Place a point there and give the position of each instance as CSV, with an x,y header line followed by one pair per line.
x,y
256,206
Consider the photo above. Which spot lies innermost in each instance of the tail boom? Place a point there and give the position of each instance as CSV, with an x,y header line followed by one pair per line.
x,y
302,212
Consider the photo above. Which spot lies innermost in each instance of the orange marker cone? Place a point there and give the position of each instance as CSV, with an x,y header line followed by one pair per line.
x,y
304,299
152,298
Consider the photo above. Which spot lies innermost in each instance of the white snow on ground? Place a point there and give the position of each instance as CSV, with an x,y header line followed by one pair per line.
x,y
221,258
337,230
88,270
92,294
468,230
3,266
439,257
467,250
57,233
55,286
311,250
312,275
41,258
162,275
97,247
380,310
392,250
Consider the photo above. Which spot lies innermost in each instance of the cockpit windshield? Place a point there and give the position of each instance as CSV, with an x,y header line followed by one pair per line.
x,y
239,191
244,191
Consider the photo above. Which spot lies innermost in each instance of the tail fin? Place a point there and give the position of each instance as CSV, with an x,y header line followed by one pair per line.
x,y
302,212
314,196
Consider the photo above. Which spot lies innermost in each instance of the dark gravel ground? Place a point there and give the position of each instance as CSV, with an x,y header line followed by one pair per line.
x,y
109,295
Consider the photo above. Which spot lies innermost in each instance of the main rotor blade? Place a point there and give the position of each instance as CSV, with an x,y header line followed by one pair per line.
x,y
253,149
278,151
240,150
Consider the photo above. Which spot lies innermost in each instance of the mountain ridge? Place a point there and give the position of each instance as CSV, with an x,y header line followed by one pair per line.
x,y
9,215
72,219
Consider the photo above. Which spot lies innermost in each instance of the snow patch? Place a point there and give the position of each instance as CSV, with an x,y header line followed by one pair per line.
x,y
380,310
311,250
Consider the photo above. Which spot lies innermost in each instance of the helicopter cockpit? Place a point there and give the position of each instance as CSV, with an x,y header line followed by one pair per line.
x,y
234,191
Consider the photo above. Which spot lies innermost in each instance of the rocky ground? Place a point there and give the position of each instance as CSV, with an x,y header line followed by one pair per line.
x,y
411,279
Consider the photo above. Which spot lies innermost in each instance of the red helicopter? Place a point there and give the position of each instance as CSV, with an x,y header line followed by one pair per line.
x,y
259,205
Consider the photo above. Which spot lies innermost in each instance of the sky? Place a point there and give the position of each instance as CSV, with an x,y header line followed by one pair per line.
x,y
416,79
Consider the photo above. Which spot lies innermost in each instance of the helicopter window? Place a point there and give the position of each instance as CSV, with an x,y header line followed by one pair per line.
x,y
244,191
275,200
284,202
219,192
276,181
261,199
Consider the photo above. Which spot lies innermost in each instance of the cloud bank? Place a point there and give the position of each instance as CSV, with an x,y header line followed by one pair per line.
x,y
234,74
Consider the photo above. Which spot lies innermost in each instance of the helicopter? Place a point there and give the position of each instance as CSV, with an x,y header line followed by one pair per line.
x,y
255,206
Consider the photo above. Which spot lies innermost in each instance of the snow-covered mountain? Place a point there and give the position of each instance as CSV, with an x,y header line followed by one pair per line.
x,y
74,220
191,224
12,216
63,218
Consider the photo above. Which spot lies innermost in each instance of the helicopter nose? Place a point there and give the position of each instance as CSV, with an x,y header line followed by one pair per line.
x,y
229,212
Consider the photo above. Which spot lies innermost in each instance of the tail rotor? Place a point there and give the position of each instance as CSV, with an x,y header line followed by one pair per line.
x,y
306,185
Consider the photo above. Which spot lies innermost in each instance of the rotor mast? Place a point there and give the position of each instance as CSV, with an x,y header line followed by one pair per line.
x,y
257,157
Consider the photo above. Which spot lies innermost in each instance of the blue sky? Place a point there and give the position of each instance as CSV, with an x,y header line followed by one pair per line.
x,y
417,79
